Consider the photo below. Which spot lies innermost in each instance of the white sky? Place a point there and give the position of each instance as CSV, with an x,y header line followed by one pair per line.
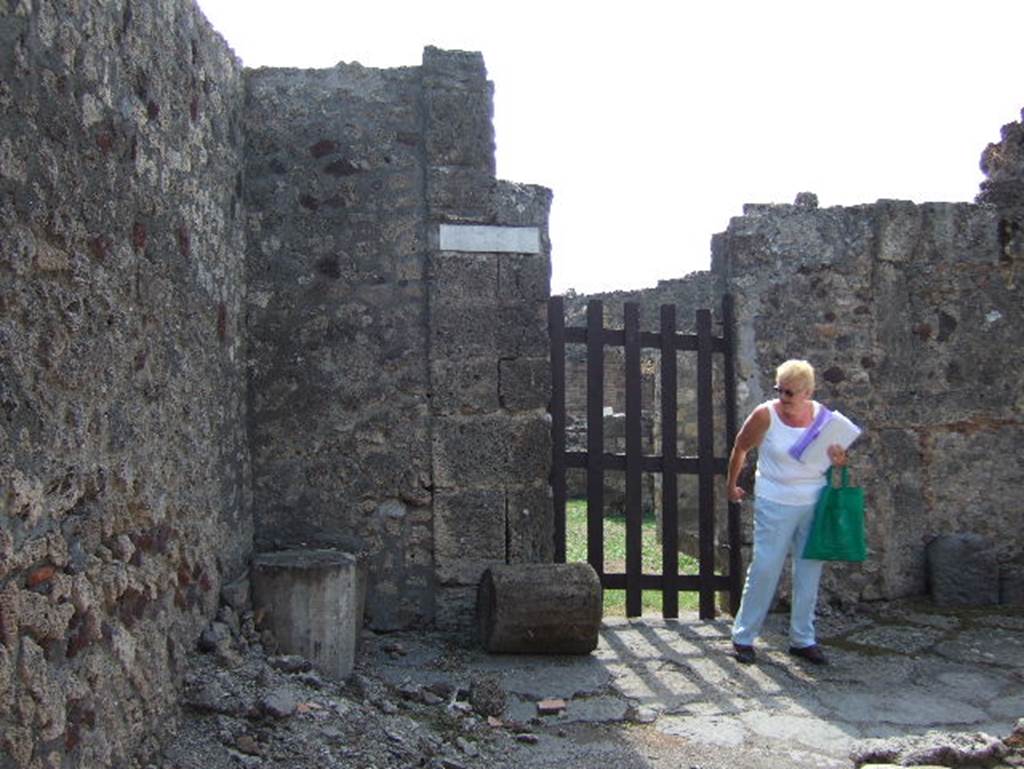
x,y
654,122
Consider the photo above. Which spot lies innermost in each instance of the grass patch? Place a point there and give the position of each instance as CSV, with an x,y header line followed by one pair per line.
x,y
615,556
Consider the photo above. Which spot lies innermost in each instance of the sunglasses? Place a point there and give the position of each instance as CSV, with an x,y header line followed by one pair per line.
x,y
785,391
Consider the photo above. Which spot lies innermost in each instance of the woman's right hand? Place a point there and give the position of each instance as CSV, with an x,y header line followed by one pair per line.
x,y
736,494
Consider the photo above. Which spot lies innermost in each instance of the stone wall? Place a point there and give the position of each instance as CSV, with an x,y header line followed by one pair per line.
x,y
124,469
397,383
203,264
338,378
910,314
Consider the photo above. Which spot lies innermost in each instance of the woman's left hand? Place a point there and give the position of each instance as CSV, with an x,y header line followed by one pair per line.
x,y
837,454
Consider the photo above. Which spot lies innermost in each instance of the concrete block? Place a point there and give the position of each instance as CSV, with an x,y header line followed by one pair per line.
x,y
962,570
314,602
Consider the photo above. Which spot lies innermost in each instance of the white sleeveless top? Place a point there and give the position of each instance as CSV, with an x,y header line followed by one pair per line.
x,y
779,477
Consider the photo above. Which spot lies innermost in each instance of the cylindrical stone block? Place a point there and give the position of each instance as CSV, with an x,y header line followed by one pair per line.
x,y
540,608
313,602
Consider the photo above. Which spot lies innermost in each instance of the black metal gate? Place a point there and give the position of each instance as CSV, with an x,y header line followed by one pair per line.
x,y
669,464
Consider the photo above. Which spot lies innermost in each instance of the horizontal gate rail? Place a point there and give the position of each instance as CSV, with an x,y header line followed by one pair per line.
x,y
681,465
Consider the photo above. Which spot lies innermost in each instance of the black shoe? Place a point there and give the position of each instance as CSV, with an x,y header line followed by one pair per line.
x,y
745,654
812,654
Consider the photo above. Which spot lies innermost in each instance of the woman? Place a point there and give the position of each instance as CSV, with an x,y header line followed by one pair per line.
x,y
785,494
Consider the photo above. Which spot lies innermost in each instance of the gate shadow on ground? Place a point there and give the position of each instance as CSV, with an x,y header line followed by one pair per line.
x,y
901,678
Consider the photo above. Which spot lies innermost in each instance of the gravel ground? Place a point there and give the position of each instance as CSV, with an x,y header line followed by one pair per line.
x,y
243,707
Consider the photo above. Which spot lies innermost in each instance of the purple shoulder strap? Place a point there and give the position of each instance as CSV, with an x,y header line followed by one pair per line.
x,y
797,449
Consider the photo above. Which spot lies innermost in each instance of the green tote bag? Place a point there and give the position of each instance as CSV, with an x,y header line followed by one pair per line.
x,y
838,530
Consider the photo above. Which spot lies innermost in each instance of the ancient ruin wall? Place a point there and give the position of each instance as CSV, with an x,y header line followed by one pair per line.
x,y
337,313
123,468
397,388
911,315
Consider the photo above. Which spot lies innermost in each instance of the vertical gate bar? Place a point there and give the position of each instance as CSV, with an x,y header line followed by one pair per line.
x,y
705,464
634,462
729,369
595,436
669,479
556,333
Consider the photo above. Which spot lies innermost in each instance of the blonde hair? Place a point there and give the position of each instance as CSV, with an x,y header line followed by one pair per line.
x,y
799,373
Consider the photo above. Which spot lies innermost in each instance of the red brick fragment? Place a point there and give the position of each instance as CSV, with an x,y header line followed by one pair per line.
x,y
40,575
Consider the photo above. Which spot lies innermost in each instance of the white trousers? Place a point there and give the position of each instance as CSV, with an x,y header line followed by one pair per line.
x,y
779,530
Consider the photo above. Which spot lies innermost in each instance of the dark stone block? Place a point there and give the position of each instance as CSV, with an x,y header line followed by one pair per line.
x,y
464,331
522,330
1011,584
469,533
461,194
460,132
525,383
465,386
470,451
530,525
524,279
463,279
529,449
962,570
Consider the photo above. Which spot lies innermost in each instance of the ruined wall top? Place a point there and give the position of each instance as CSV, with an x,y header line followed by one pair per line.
x,y
1003,165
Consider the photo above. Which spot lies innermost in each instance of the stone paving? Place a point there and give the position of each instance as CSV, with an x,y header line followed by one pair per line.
x,y
900,671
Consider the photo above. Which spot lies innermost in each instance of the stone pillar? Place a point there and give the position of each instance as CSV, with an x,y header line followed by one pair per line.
x,y
488,284
314,602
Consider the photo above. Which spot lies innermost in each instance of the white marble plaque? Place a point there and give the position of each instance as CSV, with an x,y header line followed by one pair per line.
x,y
481,238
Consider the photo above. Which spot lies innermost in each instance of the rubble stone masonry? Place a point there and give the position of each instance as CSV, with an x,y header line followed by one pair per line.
x,y
228,327
124,472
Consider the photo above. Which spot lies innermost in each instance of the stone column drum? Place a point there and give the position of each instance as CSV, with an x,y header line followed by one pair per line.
x,y
313,601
